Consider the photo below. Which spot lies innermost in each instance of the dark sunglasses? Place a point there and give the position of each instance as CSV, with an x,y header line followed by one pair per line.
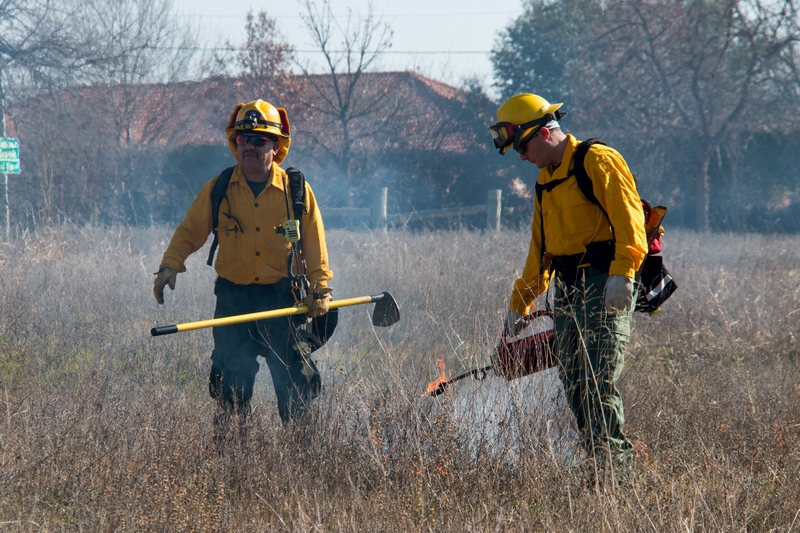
x,y
257,140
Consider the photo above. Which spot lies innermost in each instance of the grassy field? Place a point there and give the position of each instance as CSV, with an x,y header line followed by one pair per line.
x,y
103,428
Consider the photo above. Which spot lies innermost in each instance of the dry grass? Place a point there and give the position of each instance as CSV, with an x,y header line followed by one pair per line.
x,y
104,428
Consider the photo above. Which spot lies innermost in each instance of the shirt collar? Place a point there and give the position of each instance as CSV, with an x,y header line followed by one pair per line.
x,y
278,175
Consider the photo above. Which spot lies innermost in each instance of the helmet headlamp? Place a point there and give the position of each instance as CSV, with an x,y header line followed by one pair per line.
x,y
252,121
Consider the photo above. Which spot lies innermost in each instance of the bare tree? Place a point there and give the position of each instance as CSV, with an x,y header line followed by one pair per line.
x,y
266,53
146,46
39,49
357,107
90,145
694,76
264,60
38,45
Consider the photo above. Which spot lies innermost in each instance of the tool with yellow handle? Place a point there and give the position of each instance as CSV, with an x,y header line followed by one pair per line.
x,y
385,314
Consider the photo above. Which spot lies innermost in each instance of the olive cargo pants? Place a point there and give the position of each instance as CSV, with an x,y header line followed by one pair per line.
x,y
590,346
281,341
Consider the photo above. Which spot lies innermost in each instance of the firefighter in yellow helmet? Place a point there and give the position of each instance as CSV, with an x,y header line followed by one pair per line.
x,y
590,249
260,264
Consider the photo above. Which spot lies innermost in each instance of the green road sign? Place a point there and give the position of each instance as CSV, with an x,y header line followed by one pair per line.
x,y
9,155
8,146
9,167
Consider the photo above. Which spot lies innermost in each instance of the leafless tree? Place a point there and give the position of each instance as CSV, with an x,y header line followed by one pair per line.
x,y
264,60
38,45
146,46
358,107
39,49
693,76
107,109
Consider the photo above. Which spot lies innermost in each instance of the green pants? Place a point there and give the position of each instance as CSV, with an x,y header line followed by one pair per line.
x,y
590,346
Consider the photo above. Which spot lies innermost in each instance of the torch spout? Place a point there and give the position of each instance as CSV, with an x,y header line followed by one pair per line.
x,y
478,374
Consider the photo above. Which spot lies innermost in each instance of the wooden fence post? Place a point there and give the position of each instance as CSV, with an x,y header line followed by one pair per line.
x,y
378,211
493,209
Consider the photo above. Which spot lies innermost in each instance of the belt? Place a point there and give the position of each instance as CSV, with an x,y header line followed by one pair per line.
x,y
595,260
581,272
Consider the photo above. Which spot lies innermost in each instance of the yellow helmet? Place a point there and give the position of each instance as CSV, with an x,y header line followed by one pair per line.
x,y
519,118
259,116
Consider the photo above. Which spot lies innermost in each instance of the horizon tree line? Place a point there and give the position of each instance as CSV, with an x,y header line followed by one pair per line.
x,y
700,96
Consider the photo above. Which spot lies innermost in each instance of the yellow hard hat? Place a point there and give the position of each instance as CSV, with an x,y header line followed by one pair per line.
x,y
259,116
519,118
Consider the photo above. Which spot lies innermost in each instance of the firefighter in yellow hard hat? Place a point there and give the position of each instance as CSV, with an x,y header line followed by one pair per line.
x,y
588,239
272,255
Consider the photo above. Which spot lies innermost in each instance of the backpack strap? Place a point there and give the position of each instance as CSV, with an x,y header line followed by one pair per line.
x,y
584,184
540,190
297,194
217,194
581,176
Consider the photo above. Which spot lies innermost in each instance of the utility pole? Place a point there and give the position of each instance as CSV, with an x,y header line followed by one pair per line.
x,y
9,157
3,134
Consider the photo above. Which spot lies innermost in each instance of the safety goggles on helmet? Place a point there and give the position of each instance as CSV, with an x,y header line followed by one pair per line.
x,y
505,134
257,140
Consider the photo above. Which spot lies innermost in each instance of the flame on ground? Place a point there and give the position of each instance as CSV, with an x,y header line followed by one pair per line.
x,y
433,385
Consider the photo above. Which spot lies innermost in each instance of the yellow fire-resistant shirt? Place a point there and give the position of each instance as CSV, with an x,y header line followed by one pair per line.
x,y
571,221
250,251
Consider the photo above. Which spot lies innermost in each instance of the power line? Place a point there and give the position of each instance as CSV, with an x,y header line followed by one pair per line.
x,y
242,49
406,52
399,15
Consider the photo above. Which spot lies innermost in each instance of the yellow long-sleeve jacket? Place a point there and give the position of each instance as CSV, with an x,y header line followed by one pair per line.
x,y
250,251
571,221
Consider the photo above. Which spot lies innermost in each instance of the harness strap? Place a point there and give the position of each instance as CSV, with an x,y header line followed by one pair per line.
x,y
540,190
582,177
584,184
297,192
217,194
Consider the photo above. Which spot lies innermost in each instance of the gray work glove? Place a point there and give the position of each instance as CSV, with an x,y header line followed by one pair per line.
x,y
514,323
318,301
618,294
163,276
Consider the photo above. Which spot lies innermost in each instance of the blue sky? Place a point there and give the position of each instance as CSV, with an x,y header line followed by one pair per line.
x,y
446,39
